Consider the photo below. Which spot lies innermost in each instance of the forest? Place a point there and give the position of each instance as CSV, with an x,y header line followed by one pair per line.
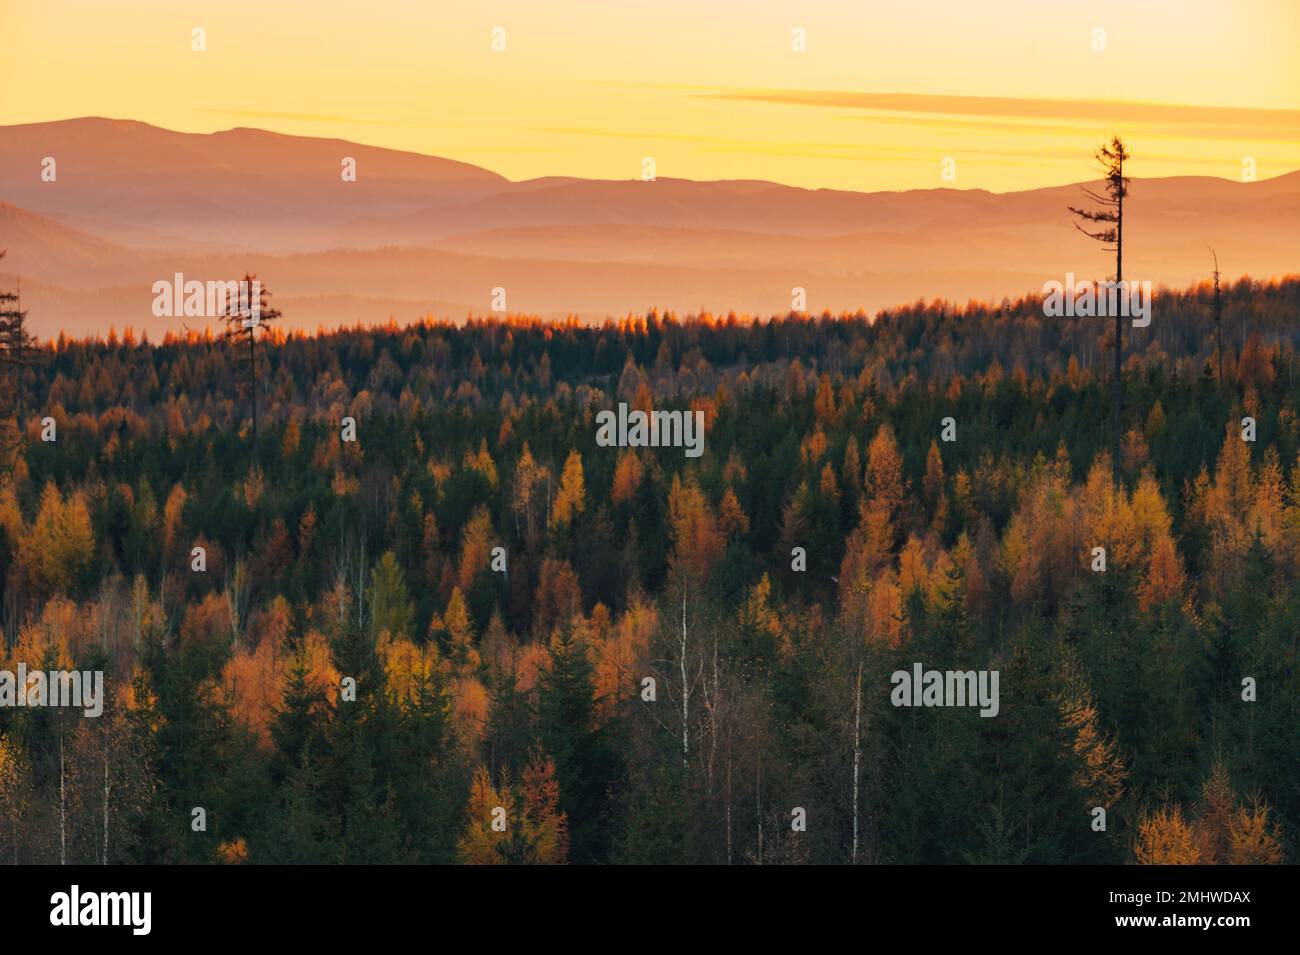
x,y
409,610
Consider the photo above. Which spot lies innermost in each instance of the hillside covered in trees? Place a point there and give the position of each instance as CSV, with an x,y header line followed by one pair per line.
x,y
315,641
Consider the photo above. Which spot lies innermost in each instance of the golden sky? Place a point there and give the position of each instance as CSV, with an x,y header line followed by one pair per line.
x,y
1013,92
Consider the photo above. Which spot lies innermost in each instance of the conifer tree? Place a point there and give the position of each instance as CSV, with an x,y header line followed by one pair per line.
x,y
16,352
243,320
584,765
1110,232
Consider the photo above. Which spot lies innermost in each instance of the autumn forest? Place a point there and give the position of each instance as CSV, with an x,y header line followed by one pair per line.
x,y
409,610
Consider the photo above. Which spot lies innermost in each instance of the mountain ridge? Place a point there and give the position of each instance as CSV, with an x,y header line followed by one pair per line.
x,y
134,203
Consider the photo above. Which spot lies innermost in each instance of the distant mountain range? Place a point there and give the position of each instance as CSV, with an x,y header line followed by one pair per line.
x,y
418,235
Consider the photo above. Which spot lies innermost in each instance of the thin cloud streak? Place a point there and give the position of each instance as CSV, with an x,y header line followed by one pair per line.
x,y
319,118
1217,121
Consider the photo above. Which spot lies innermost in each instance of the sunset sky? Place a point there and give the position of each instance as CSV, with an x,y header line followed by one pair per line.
x,y
1013,92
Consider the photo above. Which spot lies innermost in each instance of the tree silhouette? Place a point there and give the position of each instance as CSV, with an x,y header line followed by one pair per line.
x,y
1112,156
1218,317
242,323
15,352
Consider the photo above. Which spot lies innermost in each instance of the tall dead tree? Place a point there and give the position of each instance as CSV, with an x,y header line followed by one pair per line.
x,y
1108,220
16,351
244,317
1218,318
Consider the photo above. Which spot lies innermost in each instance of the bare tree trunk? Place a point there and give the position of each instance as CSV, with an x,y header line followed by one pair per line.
x,y
712,704
361,584
728,810
1218,319
63,818
137,614
686,690
1119,337
252,382
759,796
107,789
857,756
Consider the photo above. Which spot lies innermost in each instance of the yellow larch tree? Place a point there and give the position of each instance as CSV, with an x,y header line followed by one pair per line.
x,y
482,463
1268,504
459,627
1164,580
479,840
756,614
475,548
1100,770
545,827
698,542
572,497
868,550
558,597
60,545
1223,832
1165,838
618,654
627,477
524,826
884,479
731,516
